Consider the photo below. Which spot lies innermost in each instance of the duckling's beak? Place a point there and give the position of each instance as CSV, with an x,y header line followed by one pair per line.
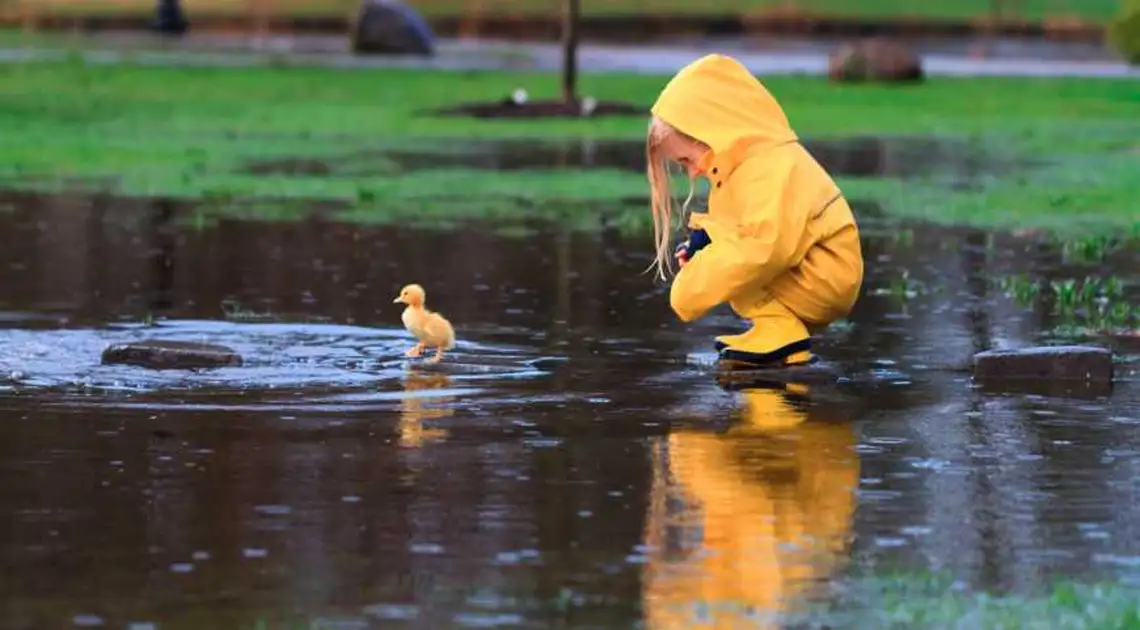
x,y
398,300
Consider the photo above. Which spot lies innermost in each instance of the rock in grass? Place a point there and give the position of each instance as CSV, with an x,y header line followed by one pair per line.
x,y
171,355
878,60
390,27
1087,364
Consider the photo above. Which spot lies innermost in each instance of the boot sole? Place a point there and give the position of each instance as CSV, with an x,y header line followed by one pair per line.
x,y
775,359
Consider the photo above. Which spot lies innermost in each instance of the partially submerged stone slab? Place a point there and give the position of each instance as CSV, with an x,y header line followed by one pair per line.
x,y
1045,363
1058,388
171,355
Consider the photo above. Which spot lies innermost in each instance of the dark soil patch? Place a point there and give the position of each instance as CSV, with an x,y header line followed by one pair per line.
x,y
290,166
508,108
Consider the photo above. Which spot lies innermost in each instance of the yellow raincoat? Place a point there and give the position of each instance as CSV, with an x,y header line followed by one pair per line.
x,y
785,249
760,516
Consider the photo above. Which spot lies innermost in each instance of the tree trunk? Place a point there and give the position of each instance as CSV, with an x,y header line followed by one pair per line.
x,y
570,18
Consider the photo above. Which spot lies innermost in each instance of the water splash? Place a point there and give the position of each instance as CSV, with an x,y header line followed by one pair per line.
x,y
332,363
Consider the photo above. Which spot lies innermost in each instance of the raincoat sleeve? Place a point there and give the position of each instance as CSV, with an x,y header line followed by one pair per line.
x,y
752,251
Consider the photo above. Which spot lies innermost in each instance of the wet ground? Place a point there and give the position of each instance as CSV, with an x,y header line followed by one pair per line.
x,y
574,463
764,55
859,156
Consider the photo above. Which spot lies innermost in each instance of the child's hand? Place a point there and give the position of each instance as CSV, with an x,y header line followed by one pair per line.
x,y
681,255
698,240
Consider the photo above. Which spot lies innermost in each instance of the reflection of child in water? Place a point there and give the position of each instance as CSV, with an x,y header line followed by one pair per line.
x,y
743,525
779,242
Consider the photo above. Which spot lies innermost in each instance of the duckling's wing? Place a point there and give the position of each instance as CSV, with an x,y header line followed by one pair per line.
x,y
439,330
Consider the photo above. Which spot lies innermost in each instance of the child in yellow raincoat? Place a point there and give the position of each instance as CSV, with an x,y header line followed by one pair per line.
x,y
781,243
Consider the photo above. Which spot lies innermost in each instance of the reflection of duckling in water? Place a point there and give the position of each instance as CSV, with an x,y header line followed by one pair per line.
x,y
413,413
768,507
431,329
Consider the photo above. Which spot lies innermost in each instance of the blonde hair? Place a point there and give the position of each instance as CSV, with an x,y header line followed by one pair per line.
x,y
659,135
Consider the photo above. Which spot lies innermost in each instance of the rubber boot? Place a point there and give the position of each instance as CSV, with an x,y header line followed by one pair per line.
x,y
777,338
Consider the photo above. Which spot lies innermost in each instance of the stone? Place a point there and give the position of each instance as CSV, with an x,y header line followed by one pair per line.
x,y
1071,388
878,60
390,27
1089,364
171,355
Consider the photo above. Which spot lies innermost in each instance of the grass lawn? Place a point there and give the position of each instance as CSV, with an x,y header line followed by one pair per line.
x,y
191,132
1090,10
932,602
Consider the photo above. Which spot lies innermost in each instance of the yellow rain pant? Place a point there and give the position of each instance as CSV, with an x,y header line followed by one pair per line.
x,y
760,515
784,248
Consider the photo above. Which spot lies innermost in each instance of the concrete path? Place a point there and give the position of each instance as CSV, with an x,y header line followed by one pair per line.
x,y
454,54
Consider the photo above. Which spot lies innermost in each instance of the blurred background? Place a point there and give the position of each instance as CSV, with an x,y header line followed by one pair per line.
x,y
620,19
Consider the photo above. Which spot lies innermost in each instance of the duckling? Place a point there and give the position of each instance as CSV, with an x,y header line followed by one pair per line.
x,y
432,329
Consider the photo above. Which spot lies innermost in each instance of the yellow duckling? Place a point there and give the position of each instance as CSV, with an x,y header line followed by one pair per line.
x,y
432,329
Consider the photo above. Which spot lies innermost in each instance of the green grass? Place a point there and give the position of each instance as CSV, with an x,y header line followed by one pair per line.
x,y
1034,10
189,131
934,602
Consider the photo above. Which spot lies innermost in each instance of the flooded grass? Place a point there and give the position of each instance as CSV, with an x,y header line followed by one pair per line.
x,y
1053,153
1082,307
910,602
1080,192
938,602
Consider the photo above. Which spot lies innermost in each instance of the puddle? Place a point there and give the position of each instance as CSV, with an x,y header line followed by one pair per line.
x,y
897,157
275,356
575,464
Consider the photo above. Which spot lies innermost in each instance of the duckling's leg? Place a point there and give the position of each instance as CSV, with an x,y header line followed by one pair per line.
x,y
415,350
438,355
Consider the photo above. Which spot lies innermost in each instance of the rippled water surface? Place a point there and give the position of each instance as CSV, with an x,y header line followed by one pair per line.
x,y
573,463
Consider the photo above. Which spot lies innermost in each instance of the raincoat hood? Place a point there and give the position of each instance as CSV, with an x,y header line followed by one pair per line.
x,y
716,100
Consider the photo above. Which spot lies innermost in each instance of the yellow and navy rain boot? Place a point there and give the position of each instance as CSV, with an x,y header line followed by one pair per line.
x,y
777,339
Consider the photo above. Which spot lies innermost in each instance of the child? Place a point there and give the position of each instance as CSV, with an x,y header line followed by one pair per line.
x,y
781,245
